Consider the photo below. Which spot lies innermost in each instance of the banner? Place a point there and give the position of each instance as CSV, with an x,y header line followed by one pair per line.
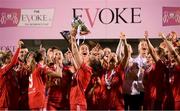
x,y
32,19
36,17
26,17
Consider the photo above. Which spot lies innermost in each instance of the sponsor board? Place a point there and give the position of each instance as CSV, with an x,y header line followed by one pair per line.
x,y
26,17
171,16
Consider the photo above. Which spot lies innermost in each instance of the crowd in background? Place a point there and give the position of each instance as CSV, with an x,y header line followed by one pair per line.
x,y
96,79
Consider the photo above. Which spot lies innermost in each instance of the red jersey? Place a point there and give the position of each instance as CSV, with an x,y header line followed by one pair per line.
x,y
36,91
149,87
93,94
79,85
58,92
176,83
12,85
23,80
112,94
6,75
175,80
156,86
158,78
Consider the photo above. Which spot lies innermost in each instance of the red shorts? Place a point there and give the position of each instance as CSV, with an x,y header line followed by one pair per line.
x,y
177,105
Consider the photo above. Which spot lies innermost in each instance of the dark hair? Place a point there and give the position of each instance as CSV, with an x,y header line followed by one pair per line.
x,y
54,47
1,58
97,67
38,56
142,40
23,47
135,64
112,60
160,51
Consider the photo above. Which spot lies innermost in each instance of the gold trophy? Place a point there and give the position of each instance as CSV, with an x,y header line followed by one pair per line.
x,y
79,25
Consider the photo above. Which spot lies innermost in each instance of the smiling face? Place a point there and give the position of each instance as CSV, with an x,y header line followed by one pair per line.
x,y
149,59
113,61
114,56
143,48
107,54
68,55
22,54
57,54
94,52
29,58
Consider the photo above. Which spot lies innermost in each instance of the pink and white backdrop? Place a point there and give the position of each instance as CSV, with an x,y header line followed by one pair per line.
x,y
44,19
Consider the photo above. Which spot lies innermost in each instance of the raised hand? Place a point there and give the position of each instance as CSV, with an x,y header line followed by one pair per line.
x,y
73,35
20,43
40,47
73,32
162,35
122,35
146,34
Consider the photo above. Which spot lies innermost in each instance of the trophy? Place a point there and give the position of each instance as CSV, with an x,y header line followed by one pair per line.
x,y
79,26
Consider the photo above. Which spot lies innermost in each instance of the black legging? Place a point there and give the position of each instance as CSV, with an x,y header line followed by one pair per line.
x,y
133,101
